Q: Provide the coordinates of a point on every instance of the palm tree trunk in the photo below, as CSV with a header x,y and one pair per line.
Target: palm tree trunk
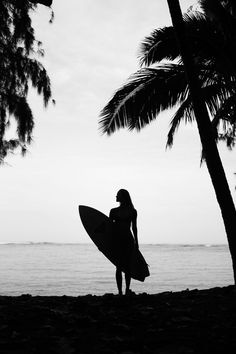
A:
x,y
210,150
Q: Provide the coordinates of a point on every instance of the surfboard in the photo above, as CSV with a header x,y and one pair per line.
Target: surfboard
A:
x,y
101,230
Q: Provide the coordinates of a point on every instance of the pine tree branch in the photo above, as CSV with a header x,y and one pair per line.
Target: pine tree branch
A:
x,y
43,2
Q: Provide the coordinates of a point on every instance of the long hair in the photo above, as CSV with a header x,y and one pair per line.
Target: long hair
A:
x,y
126,198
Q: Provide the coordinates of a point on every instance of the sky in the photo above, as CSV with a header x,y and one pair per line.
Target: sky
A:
x,y
90,50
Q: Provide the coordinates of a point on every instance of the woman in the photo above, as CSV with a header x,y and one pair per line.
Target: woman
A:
x,y
125,219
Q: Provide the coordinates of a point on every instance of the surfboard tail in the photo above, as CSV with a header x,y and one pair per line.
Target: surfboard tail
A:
x,y
138,267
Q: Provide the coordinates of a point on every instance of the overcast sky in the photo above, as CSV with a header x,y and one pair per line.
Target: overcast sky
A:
x,y
90,50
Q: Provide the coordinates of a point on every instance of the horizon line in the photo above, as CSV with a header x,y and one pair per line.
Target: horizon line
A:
x,y
208,244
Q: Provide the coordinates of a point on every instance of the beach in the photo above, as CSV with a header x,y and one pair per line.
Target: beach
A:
x,y
196,321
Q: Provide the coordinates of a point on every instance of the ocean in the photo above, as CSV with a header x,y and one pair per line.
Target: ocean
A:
x,y
79,269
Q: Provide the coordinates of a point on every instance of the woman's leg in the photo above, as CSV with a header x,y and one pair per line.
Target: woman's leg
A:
x,y
119,280
127,282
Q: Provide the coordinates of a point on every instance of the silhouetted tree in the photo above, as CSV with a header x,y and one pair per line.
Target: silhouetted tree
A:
x,y
164,85
19,69
43,2
156,88
211,154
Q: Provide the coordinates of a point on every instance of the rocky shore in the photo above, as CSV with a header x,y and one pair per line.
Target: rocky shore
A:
x,y
197,321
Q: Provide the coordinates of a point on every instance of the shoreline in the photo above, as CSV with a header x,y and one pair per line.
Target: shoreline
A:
x,y
189,321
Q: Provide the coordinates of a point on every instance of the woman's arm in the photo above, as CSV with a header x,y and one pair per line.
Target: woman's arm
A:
x,y
134,228
111,215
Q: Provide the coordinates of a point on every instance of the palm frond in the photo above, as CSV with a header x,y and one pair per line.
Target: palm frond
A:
x,y
161,44
213,95
226,112
219,11
228,135
186,112
205,39
147,93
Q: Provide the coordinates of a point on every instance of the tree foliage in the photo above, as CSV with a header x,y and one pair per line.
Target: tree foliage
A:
x,y
43,2
19,70
161,83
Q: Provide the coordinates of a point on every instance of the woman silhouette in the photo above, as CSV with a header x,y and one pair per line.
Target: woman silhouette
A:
x,y
125,219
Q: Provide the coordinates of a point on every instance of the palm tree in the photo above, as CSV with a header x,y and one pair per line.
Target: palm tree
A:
x,y
155,88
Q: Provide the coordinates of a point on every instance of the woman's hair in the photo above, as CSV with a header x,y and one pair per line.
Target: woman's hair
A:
x,y
126,199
